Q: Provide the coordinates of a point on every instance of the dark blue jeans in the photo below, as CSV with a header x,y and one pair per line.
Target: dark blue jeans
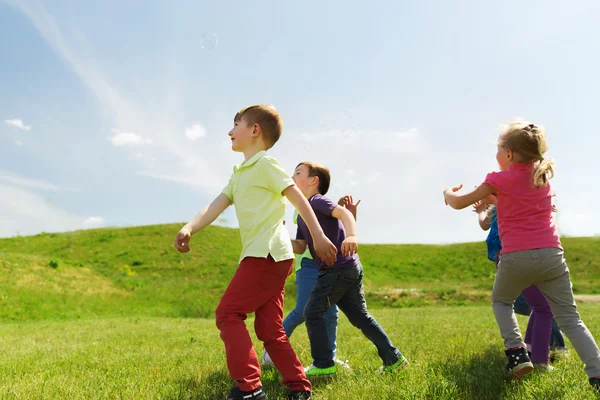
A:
x,y
343,287
522,307
306,277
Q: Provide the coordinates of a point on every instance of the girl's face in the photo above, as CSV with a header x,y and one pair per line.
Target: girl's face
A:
x,y
504,158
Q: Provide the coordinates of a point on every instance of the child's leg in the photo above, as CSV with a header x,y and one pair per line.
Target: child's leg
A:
x,y
540,325
556,285
328,289
521,306
557,341
511,278
269,330
257,281
305,281
331,324
354,306
529,331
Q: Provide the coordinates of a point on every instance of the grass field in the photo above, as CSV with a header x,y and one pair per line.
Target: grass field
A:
x,y
119,314
454,353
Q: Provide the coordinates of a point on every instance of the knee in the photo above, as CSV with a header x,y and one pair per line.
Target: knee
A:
x,y
268,332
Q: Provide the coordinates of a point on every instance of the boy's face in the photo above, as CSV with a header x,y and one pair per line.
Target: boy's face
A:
x,y
302,180
241,135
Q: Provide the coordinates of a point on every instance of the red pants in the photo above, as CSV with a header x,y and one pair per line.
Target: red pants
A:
x,y
257,286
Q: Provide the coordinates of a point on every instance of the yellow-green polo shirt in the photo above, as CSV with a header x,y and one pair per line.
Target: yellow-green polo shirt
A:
x,y
255,190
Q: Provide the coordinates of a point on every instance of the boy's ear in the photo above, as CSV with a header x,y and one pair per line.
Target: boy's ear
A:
x,y
316,180
256,130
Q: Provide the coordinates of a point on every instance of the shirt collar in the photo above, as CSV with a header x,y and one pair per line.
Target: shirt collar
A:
x,y
521,167
251,161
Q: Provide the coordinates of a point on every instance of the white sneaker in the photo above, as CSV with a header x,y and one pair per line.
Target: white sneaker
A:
x,y
543,367
342,363
266,359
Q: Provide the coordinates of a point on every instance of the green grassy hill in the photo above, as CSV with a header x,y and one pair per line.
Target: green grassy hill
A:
x,y
137,272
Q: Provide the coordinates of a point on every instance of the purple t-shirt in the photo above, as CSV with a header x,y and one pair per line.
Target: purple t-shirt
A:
x,y
333,229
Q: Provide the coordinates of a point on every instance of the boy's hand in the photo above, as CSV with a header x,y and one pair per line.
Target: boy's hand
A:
x,y
325,249
349,246
182,241
348,202
480,206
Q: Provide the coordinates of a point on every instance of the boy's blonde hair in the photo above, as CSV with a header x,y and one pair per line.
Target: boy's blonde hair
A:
x,y
267,117
320,171
528,143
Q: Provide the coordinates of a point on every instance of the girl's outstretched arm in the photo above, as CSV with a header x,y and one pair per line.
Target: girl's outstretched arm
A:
x,y
460,201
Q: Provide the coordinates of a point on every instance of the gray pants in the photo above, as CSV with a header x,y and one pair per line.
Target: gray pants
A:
x,y
547,269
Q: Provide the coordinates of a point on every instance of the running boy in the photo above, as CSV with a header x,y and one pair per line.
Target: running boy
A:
x,y
338,284
257,188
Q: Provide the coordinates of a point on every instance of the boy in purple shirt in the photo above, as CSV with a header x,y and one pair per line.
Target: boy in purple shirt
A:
x,y
339,284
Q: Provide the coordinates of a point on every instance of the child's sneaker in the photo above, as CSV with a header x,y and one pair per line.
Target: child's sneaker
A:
x,y
558,353
518,364
398,365
266,359
542,367
342,363
312,371
299,395
595,382
236,394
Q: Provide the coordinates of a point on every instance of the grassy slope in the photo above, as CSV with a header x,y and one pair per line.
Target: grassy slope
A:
x,y
136,272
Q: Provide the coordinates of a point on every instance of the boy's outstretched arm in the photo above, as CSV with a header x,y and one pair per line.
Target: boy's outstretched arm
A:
x,y
349,245
323,246
200,221
483,216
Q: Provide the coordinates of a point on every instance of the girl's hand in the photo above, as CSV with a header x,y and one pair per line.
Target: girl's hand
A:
x,y
451,190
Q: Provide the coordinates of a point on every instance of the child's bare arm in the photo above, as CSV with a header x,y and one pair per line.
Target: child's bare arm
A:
x,y
348,202
349,245
323,246
460,201
200,221
299,246
483,216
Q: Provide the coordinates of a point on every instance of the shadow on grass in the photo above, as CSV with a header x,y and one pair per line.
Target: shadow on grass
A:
x,y
216,384
480,377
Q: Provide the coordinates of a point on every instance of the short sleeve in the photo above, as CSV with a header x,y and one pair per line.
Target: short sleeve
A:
x,y
495,180
275,176
299,234
322,205
228,190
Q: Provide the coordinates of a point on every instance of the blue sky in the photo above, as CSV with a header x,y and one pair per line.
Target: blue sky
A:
x,y
117,115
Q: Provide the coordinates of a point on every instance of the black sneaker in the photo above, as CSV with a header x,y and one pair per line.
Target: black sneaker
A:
x,y
518,364
236,394
595,382
299,395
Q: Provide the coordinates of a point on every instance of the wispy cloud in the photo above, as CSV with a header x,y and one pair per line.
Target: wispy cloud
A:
x,y
23,212
93,222
17,123
29,183
195,131
128,139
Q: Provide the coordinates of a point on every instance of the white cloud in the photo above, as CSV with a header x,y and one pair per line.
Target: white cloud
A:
x,y
24,182
128,139
93,222
18,142
18,123
26,213
195,131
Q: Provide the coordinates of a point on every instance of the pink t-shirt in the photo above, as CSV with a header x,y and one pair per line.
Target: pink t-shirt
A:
x,y
525,220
